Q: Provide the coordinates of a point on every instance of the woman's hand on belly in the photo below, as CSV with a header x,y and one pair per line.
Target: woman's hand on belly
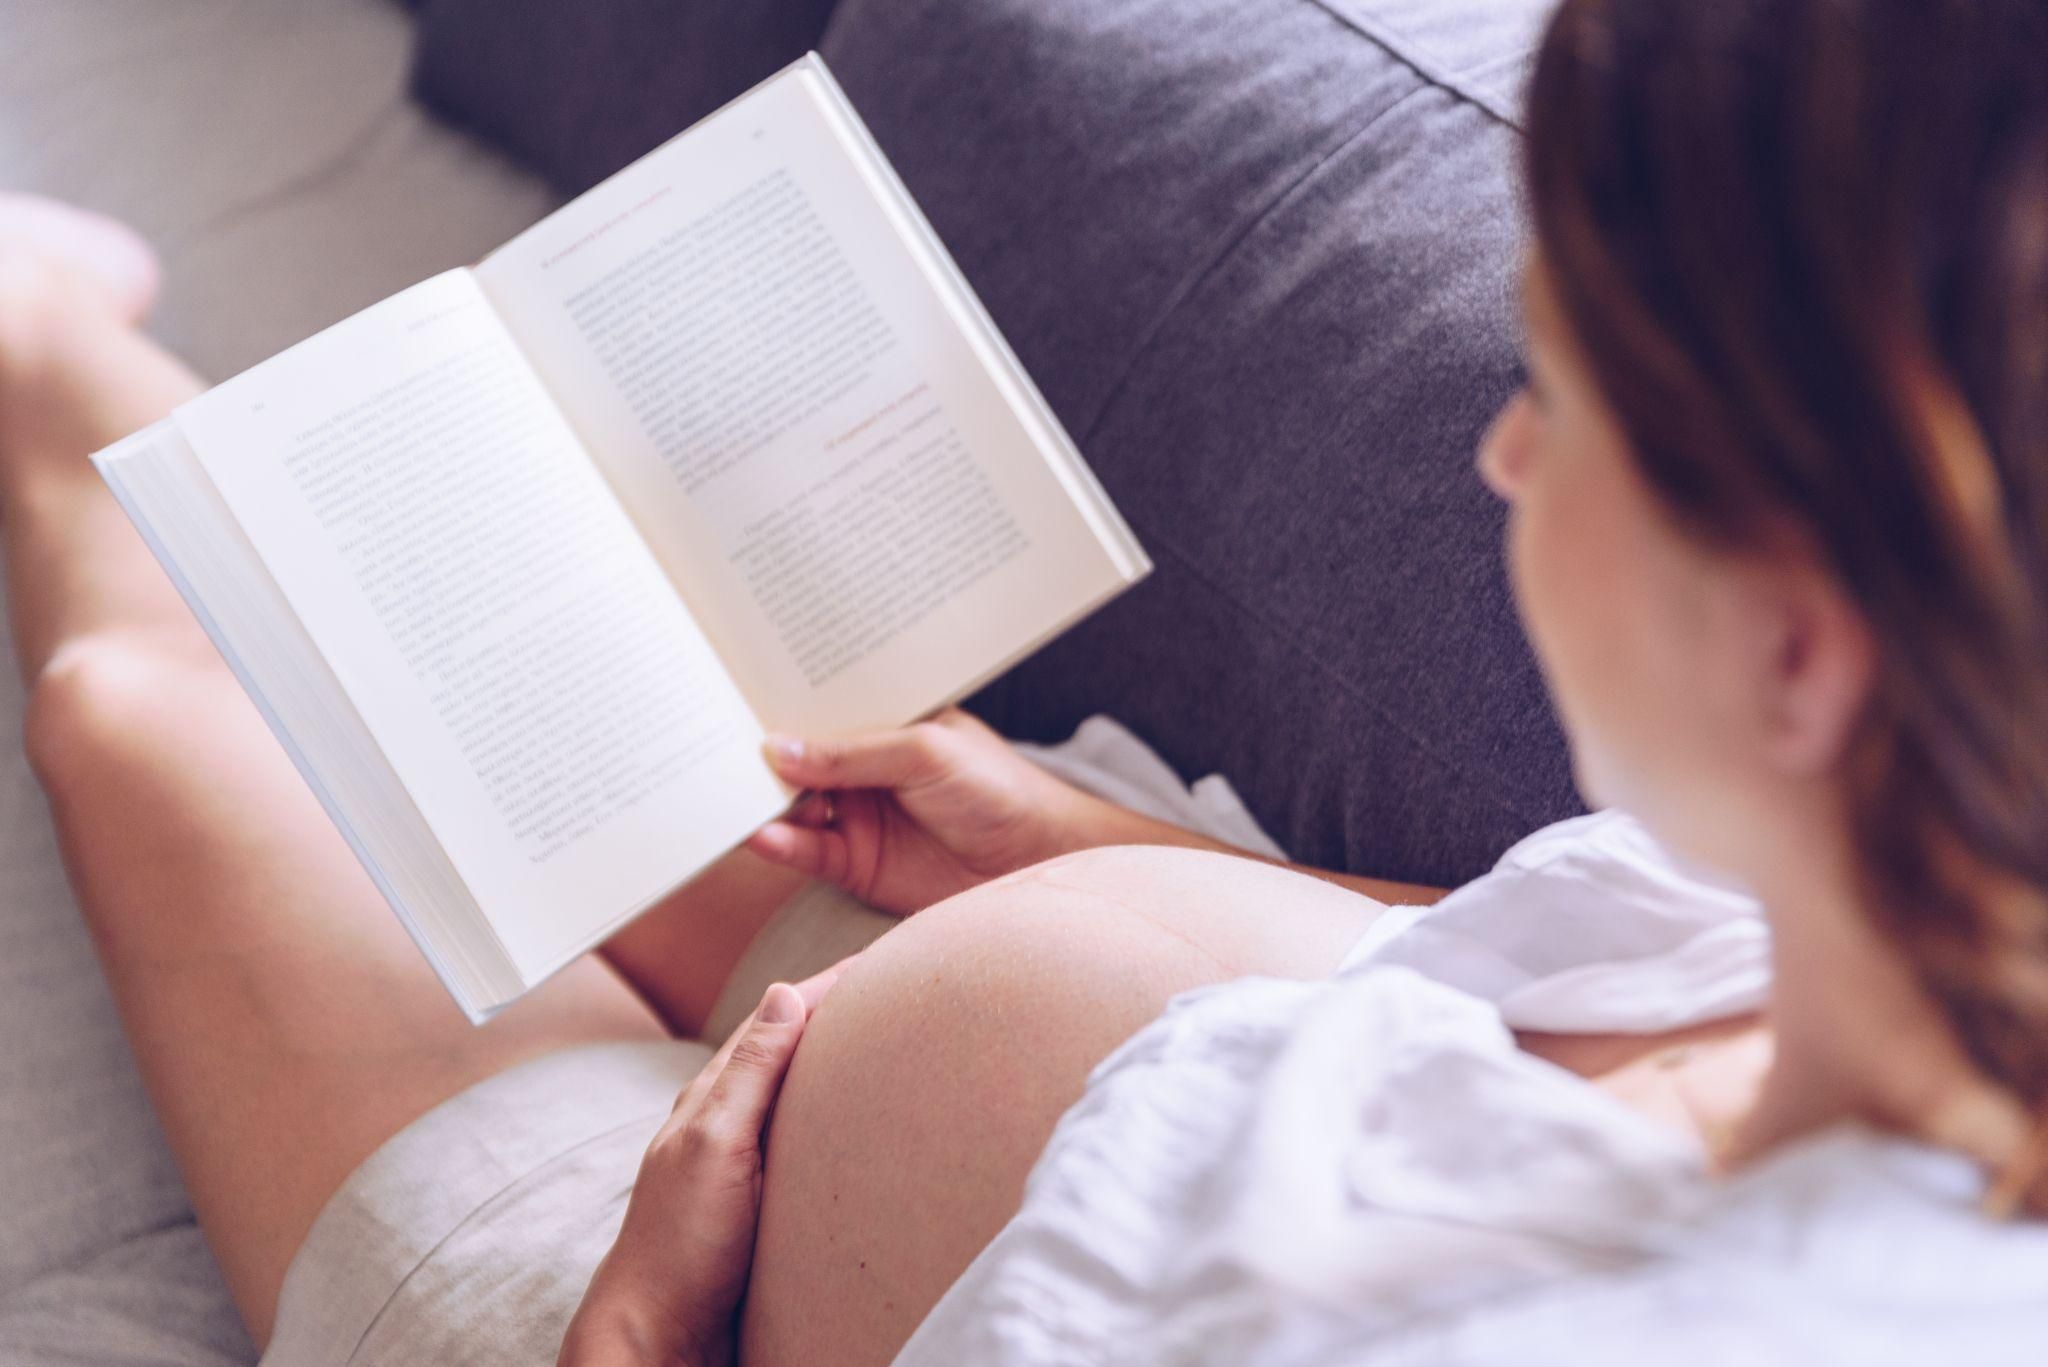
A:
x,y
669,1290
930,1079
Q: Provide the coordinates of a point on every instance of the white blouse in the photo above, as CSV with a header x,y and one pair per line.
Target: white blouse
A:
x,y
1367,1170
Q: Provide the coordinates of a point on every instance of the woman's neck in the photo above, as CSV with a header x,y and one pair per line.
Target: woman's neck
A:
x,y
1857,1038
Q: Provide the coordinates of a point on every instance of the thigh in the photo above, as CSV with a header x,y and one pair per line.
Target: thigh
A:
x,y
283,1023
931,1077
680,954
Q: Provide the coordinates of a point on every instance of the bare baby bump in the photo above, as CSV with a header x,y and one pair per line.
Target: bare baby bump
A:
x,y
929,1080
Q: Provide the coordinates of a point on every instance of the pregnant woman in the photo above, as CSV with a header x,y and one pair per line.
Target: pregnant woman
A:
x,y
1778,494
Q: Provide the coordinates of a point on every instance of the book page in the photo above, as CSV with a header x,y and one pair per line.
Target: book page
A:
x,y
807,428
562,724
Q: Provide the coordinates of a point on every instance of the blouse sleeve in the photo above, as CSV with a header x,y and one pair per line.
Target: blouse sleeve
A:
x,y
1587,926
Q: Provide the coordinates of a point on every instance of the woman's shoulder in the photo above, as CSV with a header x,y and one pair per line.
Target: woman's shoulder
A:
x,y
1607,880
1590,925
1849,1247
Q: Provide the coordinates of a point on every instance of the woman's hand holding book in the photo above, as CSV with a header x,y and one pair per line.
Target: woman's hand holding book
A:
x,y
909,817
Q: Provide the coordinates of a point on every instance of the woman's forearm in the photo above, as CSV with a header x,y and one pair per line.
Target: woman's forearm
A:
x,y
911,817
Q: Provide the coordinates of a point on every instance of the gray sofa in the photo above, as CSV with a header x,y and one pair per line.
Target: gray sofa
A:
x,y
1258,253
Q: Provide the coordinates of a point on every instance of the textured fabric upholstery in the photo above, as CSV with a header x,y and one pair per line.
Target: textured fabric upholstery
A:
x,y
578,88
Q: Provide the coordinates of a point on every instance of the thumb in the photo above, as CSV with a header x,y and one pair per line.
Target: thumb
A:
x,y
823,855
755,1061
880,759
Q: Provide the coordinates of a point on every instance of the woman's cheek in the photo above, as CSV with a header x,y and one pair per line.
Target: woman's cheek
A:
x,y
1571,582
1541,562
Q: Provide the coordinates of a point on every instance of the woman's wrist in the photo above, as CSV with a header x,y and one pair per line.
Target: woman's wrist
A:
x,y
610,1330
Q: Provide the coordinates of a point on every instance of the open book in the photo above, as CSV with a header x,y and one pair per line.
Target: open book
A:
x,y
521,564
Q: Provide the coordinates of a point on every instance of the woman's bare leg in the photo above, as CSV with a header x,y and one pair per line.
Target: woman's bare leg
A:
x,y
929,1080
283,1023
679,954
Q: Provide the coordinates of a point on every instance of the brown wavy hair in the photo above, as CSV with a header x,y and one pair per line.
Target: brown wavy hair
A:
x,y
1804,247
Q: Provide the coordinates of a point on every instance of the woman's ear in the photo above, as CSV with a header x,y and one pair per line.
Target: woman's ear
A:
x,y
1817,670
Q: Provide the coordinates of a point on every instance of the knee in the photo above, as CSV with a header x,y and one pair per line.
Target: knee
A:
x,y
98,703
39,300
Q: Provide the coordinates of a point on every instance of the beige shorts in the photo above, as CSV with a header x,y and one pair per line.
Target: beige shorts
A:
x,y
469,1236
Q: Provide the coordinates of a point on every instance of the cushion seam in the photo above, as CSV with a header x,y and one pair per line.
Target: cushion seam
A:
x,y
84,1262
1398,47
1227,247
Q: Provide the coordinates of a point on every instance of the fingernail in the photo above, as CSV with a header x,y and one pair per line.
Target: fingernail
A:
x,y
782,1005
785,748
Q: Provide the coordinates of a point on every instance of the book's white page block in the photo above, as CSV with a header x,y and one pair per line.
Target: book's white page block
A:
x,y
815,431
564,727
158,479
